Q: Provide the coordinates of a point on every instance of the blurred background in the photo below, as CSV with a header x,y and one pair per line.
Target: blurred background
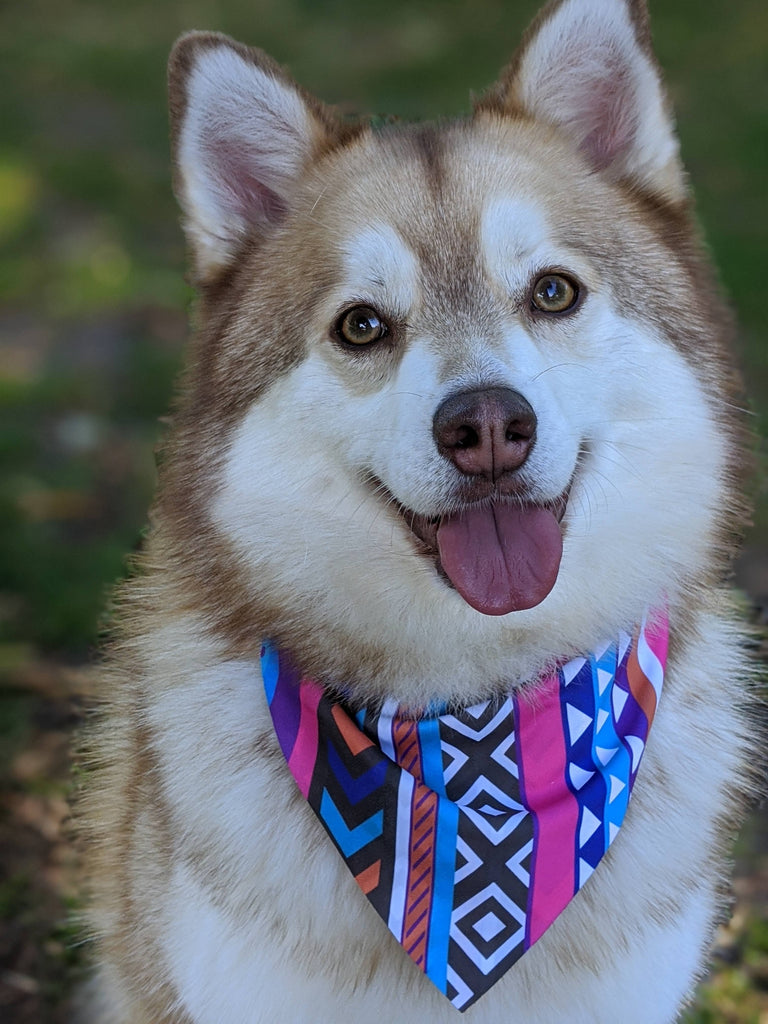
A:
x,y
93,319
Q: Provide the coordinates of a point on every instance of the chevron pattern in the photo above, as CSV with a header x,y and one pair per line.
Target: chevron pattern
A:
x,y
470,832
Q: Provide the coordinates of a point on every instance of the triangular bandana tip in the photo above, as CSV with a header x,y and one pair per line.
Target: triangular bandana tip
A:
x,y
469,833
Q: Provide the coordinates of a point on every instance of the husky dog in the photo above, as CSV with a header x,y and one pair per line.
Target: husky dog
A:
x,y
459,419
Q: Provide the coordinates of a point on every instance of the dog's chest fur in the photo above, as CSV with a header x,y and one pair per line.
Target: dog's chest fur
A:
x,y
423,351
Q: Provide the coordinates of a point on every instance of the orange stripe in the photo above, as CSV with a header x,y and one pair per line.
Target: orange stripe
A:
x,y
421,854
368,880
405,740
641,687
420,873
353,737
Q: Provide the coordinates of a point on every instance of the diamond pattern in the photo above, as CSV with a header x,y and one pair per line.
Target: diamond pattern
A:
x,y
487,954
469,833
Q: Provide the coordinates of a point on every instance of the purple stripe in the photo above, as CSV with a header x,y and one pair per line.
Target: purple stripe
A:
x,y
633,720
425,817
428,836
417,883
427,852
286,706
415,924
425,796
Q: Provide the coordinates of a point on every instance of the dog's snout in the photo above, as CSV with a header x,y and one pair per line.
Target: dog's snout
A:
x,y
487,432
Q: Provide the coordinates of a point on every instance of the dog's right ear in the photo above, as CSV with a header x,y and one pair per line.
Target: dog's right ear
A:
x,y
586,69
243,132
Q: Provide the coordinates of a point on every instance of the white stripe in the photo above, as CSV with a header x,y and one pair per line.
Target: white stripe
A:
x,y
637,747
384,729
649,663
478,734
463,991
624,641
585,871
402,843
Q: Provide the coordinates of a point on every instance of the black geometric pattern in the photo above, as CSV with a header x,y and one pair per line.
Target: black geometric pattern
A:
x,y
470,833
486,926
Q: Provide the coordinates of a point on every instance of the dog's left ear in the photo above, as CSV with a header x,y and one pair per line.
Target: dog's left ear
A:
x,y
586,67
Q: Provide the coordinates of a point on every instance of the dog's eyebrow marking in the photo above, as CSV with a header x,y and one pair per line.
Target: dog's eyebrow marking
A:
x,y
378,261
511,232
430,149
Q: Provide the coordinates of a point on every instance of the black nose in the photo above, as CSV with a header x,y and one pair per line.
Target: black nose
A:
x,y
488,432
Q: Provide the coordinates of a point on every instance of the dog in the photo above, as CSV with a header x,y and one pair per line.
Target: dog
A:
x,y
453,486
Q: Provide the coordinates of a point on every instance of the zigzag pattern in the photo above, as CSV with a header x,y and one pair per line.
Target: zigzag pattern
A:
x,y
466,839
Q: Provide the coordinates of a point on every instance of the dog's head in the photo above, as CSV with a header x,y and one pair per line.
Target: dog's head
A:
x,y
457,402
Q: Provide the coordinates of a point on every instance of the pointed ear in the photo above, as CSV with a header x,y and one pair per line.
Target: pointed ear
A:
x,y
243,133
586,68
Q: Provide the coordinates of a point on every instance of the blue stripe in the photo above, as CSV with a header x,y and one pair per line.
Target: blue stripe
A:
x,y
581,694
431,755
356,789
349,840
442,899
270,668
606,737
445,855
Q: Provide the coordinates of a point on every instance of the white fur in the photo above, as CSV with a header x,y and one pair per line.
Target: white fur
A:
x,y
599,384
513,236
379,270
221,948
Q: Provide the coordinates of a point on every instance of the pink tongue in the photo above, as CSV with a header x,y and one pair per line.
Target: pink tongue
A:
x,y
503,558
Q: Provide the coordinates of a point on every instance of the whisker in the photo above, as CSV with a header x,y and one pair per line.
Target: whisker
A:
x,y
555,366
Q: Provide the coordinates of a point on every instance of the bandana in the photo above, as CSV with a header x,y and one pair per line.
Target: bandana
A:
x,y
471,831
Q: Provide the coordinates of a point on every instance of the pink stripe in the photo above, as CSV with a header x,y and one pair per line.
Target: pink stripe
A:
x,y
304,753
657,635
542,757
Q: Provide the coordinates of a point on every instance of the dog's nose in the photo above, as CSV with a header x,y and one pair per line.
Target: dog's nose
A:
x,y
487,432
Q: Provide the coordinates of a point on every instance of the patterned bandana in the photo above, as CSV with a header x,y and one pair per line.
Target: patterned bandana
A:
x,y
470,832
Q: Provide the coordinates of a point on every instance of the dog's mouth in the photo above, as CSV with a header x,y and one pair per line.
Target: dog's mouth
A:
x,y
500,555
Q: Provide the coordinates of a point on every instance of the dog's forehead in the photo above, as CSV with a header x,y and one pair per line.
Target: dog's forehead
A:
x,y
441,210
509,232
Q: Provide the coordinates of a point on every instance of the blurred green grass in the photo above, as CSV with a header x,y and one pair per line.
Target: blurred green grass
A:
x,y
93,304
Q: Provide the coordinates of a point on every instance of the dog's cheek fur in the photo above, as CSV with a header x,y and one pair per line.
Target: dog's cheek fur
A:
x,y
288,442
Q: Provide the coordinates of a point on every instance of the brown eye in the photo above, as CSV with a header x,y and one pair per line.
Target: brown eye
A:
x,y
554,293
361,326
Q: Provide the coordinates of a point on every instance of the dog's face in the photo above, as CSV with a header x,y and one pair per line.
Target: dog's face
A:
x,y
458,401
